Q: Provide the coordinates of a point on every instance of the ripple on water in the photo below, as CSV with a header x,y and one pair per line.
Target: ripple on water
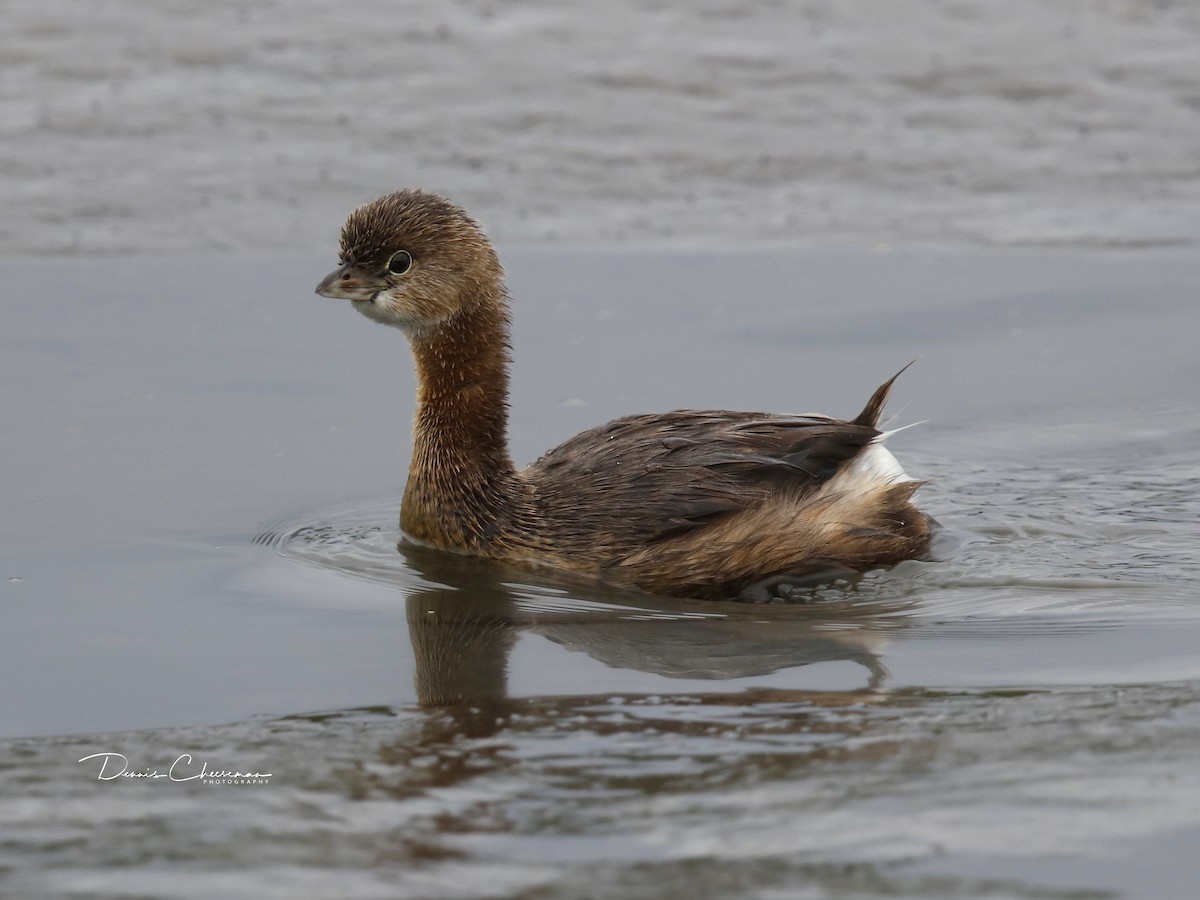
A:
x,y
762,790
1019,551
1039,577
617,797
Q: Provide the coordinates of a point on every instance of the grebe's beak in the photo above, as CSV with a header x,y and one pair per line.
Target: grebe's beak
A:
x,y
350,283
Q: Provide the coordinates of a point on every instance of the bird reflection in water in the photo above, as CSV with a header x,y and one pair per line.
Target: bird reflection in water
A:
x,y
465,619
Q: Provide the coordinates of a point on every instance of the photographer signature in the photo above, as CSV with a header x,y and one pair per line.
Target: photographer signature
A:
x,y
116,765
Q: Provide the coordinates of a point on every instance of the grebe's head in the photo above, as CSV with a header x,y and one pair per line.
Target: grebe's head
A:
x,y
413,260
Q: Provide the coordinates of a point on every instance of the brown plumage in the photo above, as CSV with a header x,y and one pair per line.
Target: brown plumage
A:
x,y
703,503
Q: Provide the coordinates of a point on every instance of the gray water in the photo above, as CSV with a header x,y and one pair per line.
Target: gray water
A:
x,y
203,463
769,208
240,124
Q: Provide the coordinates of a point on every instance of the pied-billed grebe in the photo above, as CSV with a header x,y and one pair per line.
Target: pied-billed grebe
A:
x,y
701,503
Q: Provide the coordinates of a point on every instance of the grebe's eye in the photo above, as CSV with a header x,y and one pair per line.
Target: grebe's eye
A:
x,y
400,262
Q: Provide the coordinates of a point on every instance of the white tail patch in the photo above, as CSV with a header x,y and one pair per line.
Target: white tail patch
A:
x,y
873,468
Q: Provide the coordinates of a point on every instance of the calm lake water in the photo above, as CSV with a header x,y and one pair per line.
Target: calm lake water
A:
x,y
201,461
202,466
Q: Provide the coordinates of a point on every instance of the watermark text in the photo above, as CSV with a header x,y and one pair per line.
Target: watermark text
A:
x,y
116,765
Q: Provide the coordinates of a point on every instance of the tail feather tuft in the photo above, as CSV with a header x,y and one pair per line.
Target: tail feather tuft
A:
x,y
869,417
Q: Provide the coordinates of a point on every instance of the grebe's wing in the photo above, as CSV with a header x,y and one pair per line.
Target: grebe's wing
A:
x,y
711,502
646,478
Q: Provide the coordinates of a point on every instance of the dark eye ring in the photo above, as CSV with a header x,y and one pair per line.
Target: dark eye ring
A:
x,y
401,261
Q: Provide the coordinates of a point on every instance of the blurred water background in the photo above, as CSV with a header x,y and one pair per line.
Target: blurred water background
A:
x,y
250,124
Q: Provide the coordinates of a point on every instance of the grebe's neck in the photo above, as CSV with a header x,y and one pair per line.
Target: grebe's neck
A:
x,y
461,483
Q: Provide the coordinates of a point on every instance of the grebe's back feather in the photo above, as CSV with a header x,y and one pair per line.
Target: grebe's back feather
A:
x,y
715,491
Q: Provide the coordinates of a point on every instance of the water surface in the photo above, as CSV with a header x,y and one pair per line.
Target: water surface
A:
x,y
202,468
140,127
